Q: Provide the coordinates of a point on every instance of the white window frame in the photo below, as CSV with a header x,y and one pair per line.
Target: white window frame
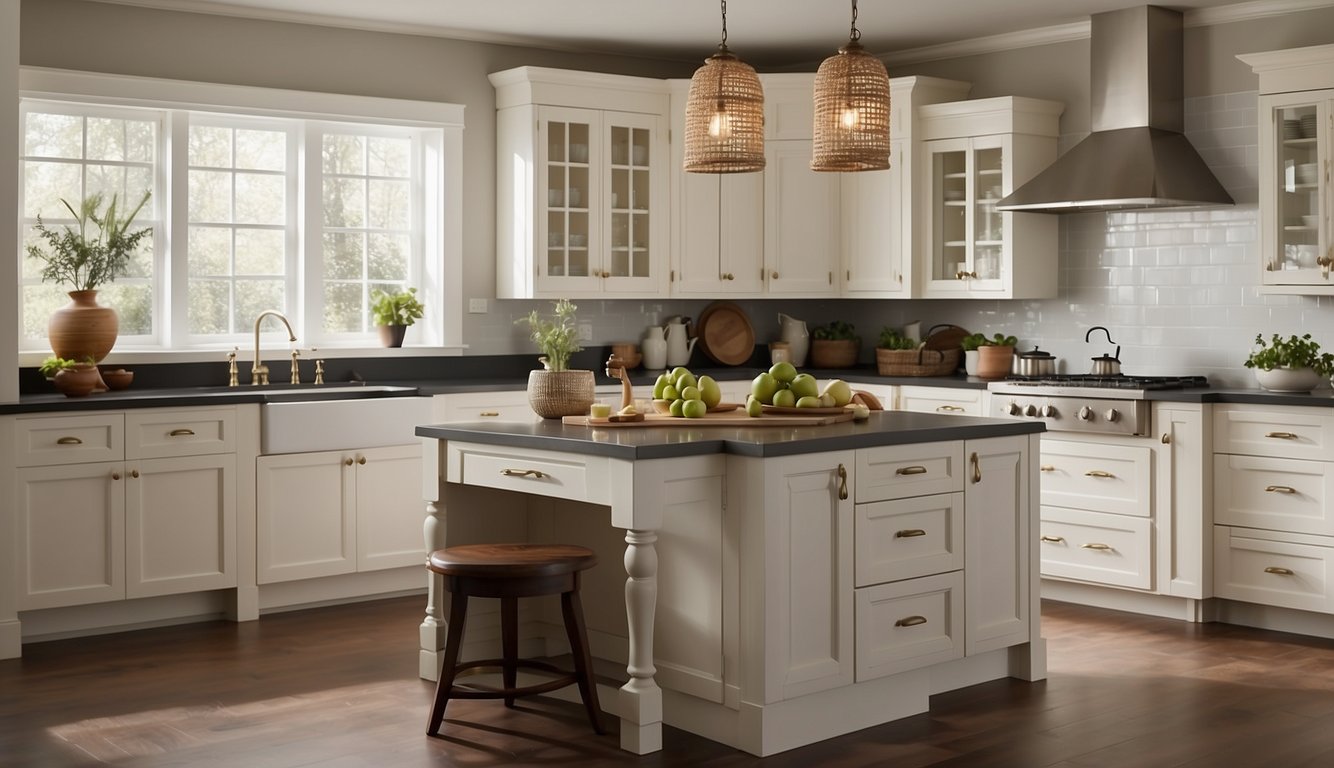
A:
x,y
441,282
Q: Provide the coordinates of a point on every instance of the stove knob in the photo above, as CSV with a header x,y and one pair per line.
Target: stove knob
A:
x,y
1112,414
1031,410
1049,411
1012,409
1085,414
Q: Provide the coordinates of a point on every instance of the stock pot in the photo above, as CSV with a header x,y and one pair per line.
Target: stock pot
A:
x,y
1035,362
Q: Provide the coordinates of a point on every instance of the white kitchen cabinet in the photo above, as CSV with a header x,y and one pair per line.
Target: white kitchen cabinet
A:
x,y
333,512
955,401
974,153
1296,124
801,222
501,405
880,208
158,519
997,603
582,190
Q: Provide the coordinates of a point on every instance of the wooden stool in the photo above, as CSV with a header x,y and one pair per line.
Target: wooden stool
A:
x,y
511,571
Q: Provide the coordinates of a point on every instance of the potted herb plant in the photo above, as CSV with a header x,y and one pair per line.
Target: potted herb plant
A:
x,y
557,391
393,313
74,378
93,252
835,345
995,355
1294,364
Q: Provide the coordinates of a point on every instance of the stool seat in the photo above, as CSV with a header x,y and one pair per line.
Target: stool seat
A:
x,y
508,572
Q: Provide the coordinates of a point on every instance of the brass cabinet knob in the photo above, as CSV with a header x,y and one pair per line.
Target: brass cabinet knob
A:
x,y
347,462
774,275
134,473
361,460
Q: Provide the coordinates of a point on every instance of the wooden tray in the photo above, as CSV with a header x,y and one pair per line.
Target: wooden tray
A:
x,y
785,411
725,333
716,420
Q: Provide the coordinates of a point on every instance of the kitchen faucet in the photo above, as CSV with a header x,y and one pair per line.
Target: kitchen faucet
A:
x,y
259,373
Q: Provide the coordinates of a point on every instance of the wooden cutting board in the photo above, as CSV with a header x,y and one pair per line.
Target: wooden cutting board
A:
x,y
725,333
729,419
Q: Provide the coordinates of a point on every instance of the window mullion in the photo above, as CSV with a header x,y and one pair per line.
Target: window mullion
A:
x,y
310,296
174,179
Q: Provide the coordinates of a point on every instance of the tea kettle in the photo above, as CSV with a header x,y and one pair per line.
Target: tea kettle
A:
x,y
1103,365
679,346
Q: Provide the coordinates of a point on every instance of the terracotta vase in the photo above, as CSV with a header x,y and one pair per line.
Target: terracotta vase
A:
x,y
79,381
83,329
994,361
392,335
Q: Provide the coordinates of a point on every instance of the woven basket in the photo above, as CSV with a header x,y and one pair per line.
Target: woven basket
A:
x,y
917,362
833,353
554,394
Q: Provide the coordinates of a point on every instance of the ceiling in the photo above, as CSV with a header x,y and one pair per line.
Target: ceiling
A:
x,y
763,32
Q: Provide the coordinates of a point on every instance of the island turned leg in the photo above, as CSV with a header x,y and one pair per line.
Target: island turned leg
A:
x,y
434,627
641,698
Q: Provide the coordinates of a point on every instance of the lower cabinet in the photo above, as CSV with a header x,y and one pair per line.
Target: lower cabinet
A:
x,y
957,401
335,512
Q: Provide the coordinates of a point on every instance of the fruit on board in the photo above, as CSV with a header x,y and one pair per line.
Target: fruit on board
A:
x,y
784,398
694,409
684,379
804,385
763,387
753,406
809,402
840,390
660,386
677,407
670,392
783,371
709,391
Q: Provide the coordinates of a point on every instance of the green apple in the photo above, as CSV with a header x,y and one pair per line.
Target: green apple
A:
x,y
686,379
670,392
690,393
676,372
840,390
805,385
763,387
826,400
784,398
783,371
660,385
753,406
694,409
677,407
809,401
709,391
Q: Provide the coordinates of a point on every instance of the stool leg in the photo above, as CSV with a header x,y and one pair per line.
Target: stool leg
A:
x,y
509,644
583,660
458,609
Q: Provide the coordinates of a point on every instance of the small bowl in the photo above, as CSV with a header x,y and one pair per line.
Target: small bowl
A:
x,y
117,379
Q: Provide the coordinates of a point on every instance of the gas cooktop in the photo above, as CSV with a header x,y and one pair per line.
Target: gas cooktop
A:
x,y
1089,381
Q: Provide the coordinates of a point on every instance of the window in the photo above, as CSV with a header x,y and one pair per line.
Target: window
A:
x,y
308,211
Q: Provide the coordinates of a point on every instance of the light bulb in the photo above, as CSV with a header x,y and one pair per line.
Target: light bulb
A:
x,y
849,118
720,125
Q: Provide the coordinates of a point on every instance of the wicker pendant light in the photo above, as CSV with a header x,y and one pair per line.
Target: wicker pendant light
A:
x,y
724,115
851,109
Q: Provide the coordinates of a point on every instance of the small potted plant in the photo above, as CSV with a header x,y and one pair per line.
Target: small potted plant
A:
x,y
557,391
995,355
83,257
74,378
835,345
1294,364
392,313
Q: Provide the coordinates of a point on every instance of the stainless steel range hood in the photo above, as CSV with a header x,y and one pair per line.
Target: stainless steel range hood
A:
x,y
1136,156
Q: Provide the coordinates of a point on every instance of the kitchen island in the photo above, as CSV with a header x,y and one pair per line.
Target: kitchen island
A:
x,y
785,584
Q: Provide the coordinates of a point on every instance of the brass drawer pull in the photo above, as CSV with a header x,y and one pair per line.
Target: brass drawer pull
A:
x,y
69,441
948,408
181,433
489,413
1098,473
523,473
977,468
1047,468
1280,571
842,483
910,621
1097,546
1053,539
909,533
1280,489
916,469
1281,435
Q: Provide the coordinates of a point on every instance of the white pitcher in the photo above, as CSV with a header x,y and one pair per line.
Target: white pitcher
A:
x,y
793,331
678,346
654,347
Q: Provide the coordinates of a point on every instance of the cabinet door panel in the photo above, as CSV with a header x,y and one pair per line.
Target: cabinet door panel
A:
x,y
306,525
801,237
71,535
390,512
996,538
875,238
909,624
180,525
1097,547
907,538
59,440
156,432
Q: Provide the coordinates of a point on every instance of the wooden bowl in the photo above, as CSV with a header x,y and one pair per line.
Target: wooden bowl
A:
x,y
117,379
662,406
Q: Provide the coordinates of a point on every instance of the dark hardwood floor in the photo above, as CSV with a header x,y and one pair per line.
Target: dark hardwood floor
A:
x,y
338,687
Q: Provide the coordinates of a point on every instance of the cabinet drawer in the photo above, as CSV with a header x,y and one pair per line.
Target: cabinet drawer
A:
x,y
153,433
1280,494
909,624
544,473
1260,567
1294,433
52,440
960,402
907,538
484,406
1097,477
900,471
1097,547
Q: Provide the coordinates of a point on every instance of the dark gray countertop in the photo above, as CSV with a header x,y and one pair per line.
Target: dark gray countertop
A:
x,y
883,428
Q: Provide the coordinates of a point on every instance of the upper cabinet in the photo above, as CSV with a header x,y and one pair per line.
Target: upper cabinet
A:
x,y
582,184
1296,210
972,154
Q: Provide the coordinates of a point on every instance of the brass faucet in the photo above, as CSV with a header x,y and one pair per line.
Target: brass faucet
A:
x,y
259,373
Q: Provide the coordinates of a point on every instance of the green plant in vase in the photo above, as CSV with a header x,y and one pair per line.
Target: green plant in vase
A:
x,y
1294,364
556,390
394,313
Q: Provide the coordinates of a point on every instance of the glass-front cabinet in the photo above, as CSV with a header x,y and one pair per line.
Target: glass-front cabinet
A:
x,y
1295,190
582,197
971,249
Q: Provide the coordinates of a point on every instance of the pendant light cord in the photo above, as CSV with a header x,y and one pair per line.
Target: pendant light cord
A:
x,y
853,35
722,44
